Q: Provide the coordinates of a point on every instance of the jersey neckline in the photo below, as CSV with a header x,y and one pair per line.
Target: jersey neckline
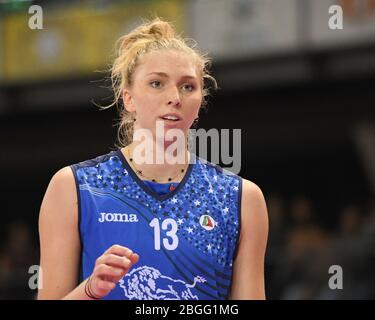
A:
x,y
147,189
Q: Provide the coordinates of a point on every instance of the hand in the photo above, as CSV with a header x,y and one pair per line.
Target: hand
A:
x,y
110,268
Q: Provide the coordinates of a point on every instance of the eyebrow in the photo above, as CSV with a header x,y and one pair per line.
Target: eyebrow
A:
x,y
163,74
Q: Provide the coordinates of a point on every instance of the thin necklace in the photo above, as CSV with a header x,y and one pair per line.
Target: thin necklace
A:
x,y
149,178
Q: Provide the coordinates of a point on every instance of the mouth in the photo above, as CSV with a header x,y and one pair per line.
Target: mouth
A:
x,y
171,117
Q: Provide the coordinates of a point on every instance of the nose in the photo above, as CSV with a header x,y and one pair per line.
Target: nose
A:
x,y
174,98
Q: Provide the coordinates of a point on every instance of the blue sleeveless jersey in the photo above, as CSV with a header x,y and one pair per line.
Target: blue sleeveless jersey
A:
x,y
186,239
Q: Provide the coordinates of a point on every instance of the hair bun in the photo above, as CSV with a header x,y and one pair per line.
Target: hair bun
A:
x,y
150,31
159,29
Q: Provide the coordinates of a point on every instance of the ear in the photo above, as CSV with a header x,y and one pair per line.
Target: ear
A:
x,y
128,100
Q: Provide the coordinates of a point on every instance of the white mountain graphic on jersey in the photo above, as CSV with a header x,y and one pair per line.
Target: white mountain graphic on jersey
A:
x,y
147,283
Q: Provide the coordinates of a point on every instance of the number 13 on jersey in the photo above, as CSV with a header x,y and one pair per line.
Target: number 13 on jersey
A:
x,y
170,242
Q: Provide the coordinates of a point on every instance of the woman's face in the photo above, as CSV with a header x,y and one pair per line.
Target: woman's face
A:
x,y
165,83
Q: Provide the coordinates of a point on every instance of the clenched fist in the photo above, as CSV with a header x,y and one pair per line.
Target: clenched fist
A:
x,y
109,268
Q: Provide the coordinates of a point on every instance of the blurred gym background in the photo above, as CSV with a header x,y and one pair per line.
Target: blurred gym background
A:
x,y
303,95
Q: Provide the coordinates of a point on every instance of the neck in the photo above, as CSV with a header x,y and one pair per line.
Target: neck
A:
x,y
158,163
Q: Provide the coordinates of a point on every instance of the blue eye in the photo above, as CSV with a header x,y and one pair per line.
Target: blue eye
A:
x,y
155,84
190,87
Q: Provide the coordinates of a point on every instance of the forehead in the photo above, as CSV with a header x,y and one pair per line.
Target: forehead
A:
x,y
171,62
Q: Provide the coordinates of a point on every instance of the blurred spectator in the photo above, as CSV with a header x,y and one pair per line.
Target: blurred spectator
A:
x,y
350,221
304,235
352,250
276,245
305,240
17,254
369,223
276,214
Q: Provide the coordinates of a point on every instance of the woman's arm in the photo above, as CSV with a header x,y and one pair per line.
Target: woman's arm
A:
x,y
59,237
248,268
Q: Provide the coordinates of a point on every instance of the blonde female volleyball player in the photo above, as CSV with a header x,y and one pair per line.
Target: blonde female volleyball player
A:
x,y
115,227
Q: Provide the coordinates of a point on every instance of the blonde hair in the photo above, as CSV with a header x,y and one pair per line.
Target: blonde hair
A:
x,y
149,36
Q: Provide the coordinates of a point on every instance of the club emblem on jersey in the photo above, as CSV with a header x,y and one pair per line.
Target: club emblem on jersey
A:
x,y
207,222
147,283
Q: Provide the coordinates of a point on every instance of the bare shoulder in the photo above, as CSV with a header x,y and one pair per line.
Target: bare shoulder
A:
x,y
64,179
253,206
252,194
62,185
60,199
250,189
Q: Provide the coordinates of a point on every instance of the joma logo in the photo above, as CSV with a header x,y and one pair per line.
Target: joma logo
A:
x,y
117,217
